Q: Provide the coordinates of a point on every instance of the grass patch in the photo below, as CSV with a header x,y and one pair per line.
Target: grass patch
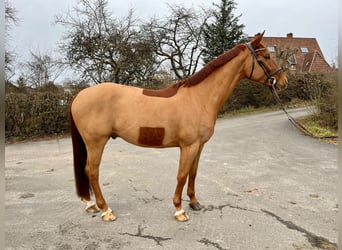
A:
x,y
312,124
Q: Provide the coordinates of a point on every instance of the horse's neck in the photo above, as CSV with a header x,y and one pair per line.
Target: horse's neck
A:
x,y
218,86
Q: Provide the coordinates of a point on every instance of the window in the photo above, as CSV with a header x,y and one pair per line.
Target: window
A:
x,y
271,49
304,49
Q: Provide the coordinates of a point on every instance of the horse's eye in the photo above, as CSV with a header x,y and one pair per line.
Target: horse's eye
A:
x,y
267,56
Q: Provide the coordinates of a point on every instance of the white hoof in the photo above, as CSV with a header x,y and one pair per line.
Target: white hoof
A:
x,y
108,215
91,207
181,216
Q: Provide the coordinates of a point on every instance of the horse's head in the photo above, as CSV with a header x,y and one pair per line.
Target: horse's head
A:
x,y
261,67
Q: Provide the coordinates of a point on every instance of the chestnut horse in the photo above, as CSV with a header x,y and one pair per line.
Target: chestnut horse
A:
x,y
182,115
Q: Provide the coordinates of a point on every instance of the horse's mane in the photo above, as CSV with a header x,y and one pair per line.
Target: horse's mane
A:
x,y
212,66
199,76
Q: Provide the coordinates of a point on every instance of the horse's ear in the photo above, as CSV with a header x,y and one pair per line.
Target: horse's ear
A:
x,y
257,39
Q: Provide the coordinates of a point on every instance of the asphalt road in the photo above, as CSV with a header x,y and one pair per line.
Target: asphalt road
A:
x,y
262,183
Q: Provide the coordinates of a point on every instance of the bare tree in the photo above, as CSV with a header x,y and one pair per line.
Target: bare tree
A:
x,y
105,49
178,39
41,69
285,57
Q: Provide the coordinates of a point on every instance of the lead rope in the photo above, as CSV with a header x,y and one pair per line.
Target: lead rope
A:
x,y
297,124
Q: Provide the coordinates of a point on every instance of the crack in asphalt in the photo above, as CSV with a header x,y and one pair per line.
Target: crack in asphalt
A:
x,y
145,200
149,200
314,240
220,208
207,242
157,239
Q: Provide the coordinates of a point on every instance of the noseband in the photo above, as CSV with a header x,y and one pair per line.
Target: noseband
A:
x,y
271,81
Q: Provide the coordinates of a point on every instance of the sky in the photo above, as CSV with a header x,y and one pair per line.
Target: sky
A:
x,y
315,18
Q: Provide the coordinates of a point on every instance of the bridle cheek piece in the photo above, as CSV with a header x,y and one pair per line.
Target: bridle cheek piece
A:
x,y
270,81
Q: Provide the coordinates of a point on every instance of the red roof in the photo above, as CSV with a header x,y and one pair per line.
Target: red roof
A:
x,y
308,56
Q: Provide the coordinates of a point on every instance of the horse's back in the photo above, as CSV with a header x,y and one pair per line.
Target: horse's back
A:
x,y
104,91
103,95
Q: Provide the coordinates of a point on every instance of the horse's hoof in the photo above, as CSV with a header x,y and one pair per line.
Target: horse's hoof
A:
x,y
108,215
93,209
196,206
181,216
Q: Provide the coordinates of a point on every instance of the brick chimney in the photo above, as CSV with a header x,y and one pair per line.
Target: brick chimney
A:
x,y
289,35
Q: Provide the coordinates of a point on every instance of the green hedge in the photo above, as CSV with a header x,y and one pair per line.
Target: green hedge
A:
x,y
36,115
251,94
326,101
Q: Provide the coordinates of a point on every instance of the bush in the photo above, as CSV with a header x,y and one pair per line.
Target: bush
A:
x,y
36,115
320,94
328,105
249,94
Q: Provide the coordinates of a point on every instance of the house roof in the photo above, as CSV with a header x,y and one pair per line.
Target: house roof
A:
x,y
307,56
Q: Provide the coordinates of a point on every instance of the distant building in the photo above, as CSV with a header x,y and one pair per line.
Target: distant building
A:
x,y
308,56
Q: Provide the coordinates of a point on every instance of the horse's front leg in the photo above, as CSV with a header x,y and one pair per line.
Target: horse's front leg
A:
x,y
194,204
187,157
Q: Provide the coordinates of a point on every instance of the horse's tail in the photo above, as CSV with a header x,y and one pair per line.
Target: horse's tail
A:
x,y
80,159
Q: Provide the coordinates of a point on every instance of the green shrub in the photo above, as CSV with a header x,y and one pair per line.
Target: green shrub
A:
x,y
328,105
320,94
35,115
249,94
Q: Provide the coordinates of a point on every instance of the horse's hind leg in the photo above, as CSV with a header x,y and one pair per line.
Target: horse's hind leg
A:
x,y
95,151
91,206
